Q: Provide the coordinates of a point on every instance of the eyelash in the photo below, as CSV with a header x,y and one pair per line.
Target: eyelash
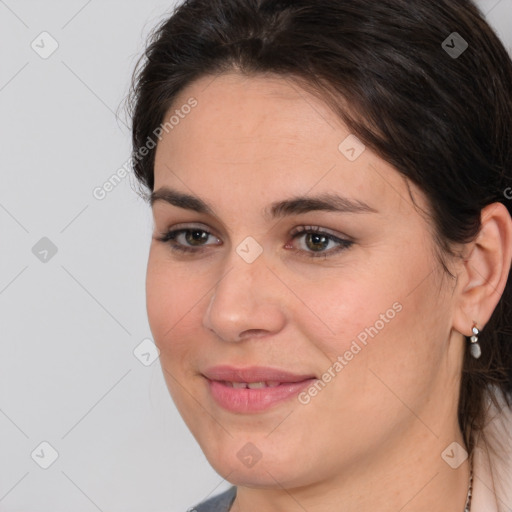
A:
x,y
170,239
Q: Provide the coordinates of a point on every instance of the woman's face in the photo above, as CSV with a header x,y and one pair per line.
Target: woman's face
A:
x,y
361,305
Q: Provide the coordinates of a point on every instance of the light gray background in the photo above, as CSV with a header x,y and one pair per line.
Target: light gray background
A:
x,y
69,326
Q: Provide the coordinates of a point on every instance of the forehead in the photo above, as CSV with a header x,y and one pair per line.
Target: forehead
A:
x,y
265,136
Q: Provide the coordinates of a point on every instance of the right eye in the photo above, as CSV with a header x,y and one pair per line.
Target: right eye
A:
x,y
189,240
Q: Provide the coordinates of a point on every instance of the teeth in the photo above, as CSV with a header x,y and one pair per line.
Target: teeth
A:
x,y
256,385
252,385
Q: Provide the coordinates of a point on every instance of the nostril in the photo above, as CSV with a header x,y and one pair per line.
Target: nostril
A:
x,y
253,333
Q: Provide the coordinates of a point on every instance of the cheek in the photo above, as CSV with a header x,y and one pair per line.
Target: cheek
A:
x,y
170,300
380,319
171,296
347,307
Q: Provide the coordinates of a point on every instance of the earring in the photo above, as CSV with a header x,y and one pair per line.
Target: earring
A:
x,y
474,347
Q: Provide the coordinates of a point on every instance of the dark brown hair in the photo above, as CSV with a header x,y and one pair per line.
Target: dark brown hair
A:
x,y
442,120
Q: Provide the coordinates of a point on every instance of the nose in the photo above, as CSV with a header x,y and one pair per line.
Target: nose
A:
x,y
246,302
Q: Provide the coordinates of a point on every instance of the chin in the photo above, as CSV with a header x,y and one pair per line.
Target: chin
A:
x,y
267,472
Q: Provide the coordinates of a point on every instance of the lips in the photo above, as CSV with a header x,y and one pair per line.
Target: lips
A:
x,y
254,374
254,389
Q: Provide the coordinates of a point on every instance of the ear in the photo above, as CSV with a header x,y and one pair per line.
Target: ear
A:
x,y
485,270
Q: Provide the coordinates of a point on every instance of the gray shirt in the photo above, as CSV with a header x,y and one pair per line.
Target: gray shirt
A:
x,y
220,503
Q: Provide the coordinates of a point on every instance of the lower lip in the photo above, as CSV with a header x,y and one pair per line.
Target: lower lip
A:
x,y
245,400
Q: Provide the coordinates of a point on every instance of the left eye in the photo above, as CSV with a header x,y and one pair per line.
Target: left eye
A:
x,y
316,242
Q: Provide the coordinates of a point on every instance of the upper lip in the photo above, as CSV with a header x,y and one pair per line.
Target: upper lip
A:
x,y
253,374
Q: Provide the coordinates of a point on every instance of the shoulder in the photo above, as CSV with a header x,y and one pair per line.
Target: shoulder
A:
x,y
220,503
492,485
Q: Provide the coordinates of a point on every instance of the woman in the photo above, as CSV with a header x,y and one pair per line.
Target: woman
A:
x,y
328,280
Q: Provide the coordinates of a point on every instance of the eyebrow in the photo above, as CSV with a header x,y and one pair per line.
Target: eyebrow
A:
x,y
296,205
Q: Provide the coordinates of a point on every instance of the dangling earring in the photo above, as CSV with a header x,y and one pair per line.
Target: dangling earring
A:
x,y
474,347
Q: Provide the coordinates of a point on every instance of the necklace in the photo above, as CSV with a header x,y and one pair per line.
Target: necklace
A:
x,y
467,508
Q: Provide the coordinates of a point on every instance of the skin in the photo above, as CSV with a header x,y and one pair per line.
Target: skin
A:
x,y
372,439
